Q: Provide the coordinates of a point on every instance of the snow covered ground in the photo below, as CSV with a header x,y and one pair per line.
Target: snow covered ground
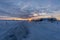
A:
x,y
44,30
24,30
12,30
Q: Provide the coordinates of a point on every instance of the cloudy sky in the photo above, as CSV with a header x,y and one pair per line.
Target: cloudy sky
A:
x,y
24,8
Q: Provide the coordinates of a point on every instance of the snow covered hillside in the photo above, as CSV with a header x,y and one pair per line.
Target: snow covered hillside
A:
x,y
24,30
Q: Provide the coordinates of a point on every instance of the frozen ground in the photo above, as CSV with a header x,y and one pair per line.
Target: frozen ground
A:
x,y
24,30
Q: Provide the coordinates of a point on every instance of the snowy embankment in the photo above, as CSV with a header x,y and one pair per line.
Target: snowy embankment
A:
x,y
24,30
44,30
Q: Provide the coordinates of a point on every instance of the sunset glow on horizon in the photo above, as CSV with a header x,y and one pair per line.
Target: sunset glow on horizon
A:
x,y
34,17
